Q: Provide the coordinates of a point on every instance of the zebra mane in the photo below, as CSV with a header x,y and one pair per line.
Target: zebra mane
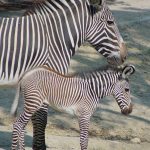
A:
x,y
37,5
101,70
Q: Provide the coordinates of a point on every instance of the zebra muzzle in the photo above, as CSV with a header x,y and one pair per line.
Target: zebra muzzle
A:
x,y
123,52
127,110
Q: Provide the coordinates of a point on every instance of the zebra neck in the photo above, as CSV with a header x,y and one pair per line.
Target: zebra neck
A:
x,y
67,21
103,83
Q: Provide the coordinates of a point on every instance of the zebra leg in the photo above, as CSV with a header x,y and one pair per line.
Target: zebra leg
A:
x,y
84,126
39,121
18,130
21,139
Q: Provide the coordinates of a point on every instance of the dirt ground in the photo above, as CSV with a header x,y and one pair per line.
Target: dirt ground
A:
x,y
109,129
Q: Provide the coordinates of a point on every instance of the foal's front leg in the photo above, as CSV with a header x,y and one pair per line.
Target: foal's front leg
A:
x,y
84,122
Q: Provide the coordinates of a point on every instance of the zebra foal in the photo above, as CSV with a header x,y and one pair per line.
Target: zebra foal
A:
x,y
78,94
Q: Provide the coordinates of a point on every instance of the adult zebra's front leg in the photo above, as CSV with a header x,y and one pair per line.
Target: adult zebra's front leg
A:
x,y
39,121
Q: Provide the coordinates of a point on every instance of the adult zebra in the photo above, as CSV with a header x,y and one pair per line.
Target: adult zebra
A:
x,y
49,36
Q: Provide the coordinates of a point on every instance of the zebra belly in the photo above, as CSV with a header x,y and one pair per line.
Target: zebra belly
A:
x,y
69,110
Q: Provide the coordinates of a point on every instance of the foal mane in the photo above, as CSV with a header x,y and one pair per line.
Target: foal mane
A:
x,y
102,69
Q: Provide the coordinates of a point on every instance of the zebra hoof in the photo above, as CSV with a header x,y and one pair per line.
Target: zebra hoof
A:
x,y
39,147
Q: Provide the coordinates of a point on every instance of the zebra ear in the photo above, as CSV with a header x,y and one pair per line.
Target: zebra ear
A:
x,y
101,2
127,71
96,7
100,5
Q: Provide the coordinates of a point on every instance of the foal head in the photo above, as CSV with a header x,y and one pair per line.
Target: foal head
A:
x,y
121,90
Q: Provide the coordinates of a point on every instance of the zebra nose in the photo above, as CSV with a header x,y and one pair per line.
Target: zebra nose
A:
x,y
123,52
127,110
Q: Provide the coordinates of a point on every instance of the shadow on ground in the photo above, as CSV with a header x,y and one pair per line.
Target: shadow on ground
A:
x,y
5,140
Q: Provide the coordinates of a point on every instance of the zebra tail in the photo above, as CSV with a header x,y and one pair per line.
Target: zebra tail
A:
x,y
14,106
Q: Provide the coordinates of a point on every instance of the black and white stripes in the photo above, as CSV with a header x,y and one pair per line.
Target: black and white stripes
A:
x,y
78,95
23,45
51,34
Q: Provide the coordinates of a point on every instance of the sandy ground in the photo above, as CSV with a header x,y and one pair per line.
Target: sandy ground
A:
x,y
109,129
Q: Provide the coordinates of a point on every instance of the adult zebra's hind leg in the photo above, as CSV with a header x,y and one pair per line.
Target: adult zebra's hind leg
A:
x,y
39,121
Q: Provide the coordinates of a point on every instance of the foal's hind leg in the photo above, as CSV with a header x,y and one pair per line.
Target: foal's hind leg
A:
x,y
30,108
18,130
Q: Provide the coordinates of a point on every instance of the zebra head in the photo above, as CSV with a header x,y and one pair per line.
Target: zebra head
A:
x,y
121,90
104,35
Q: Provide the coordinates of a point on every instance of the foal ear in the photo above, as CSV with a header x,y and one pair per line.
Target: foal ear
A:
x,y
96,7
127,71
101,2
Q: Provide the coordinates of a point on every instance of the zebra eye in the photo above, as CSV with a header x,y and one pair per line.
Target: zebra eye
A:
x,y
110,22
126,90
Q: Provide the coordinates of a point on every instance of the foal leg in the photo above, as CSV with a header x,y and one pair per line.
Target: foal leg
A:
x,y
32,103
21,139
84,122
39,121
18,130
